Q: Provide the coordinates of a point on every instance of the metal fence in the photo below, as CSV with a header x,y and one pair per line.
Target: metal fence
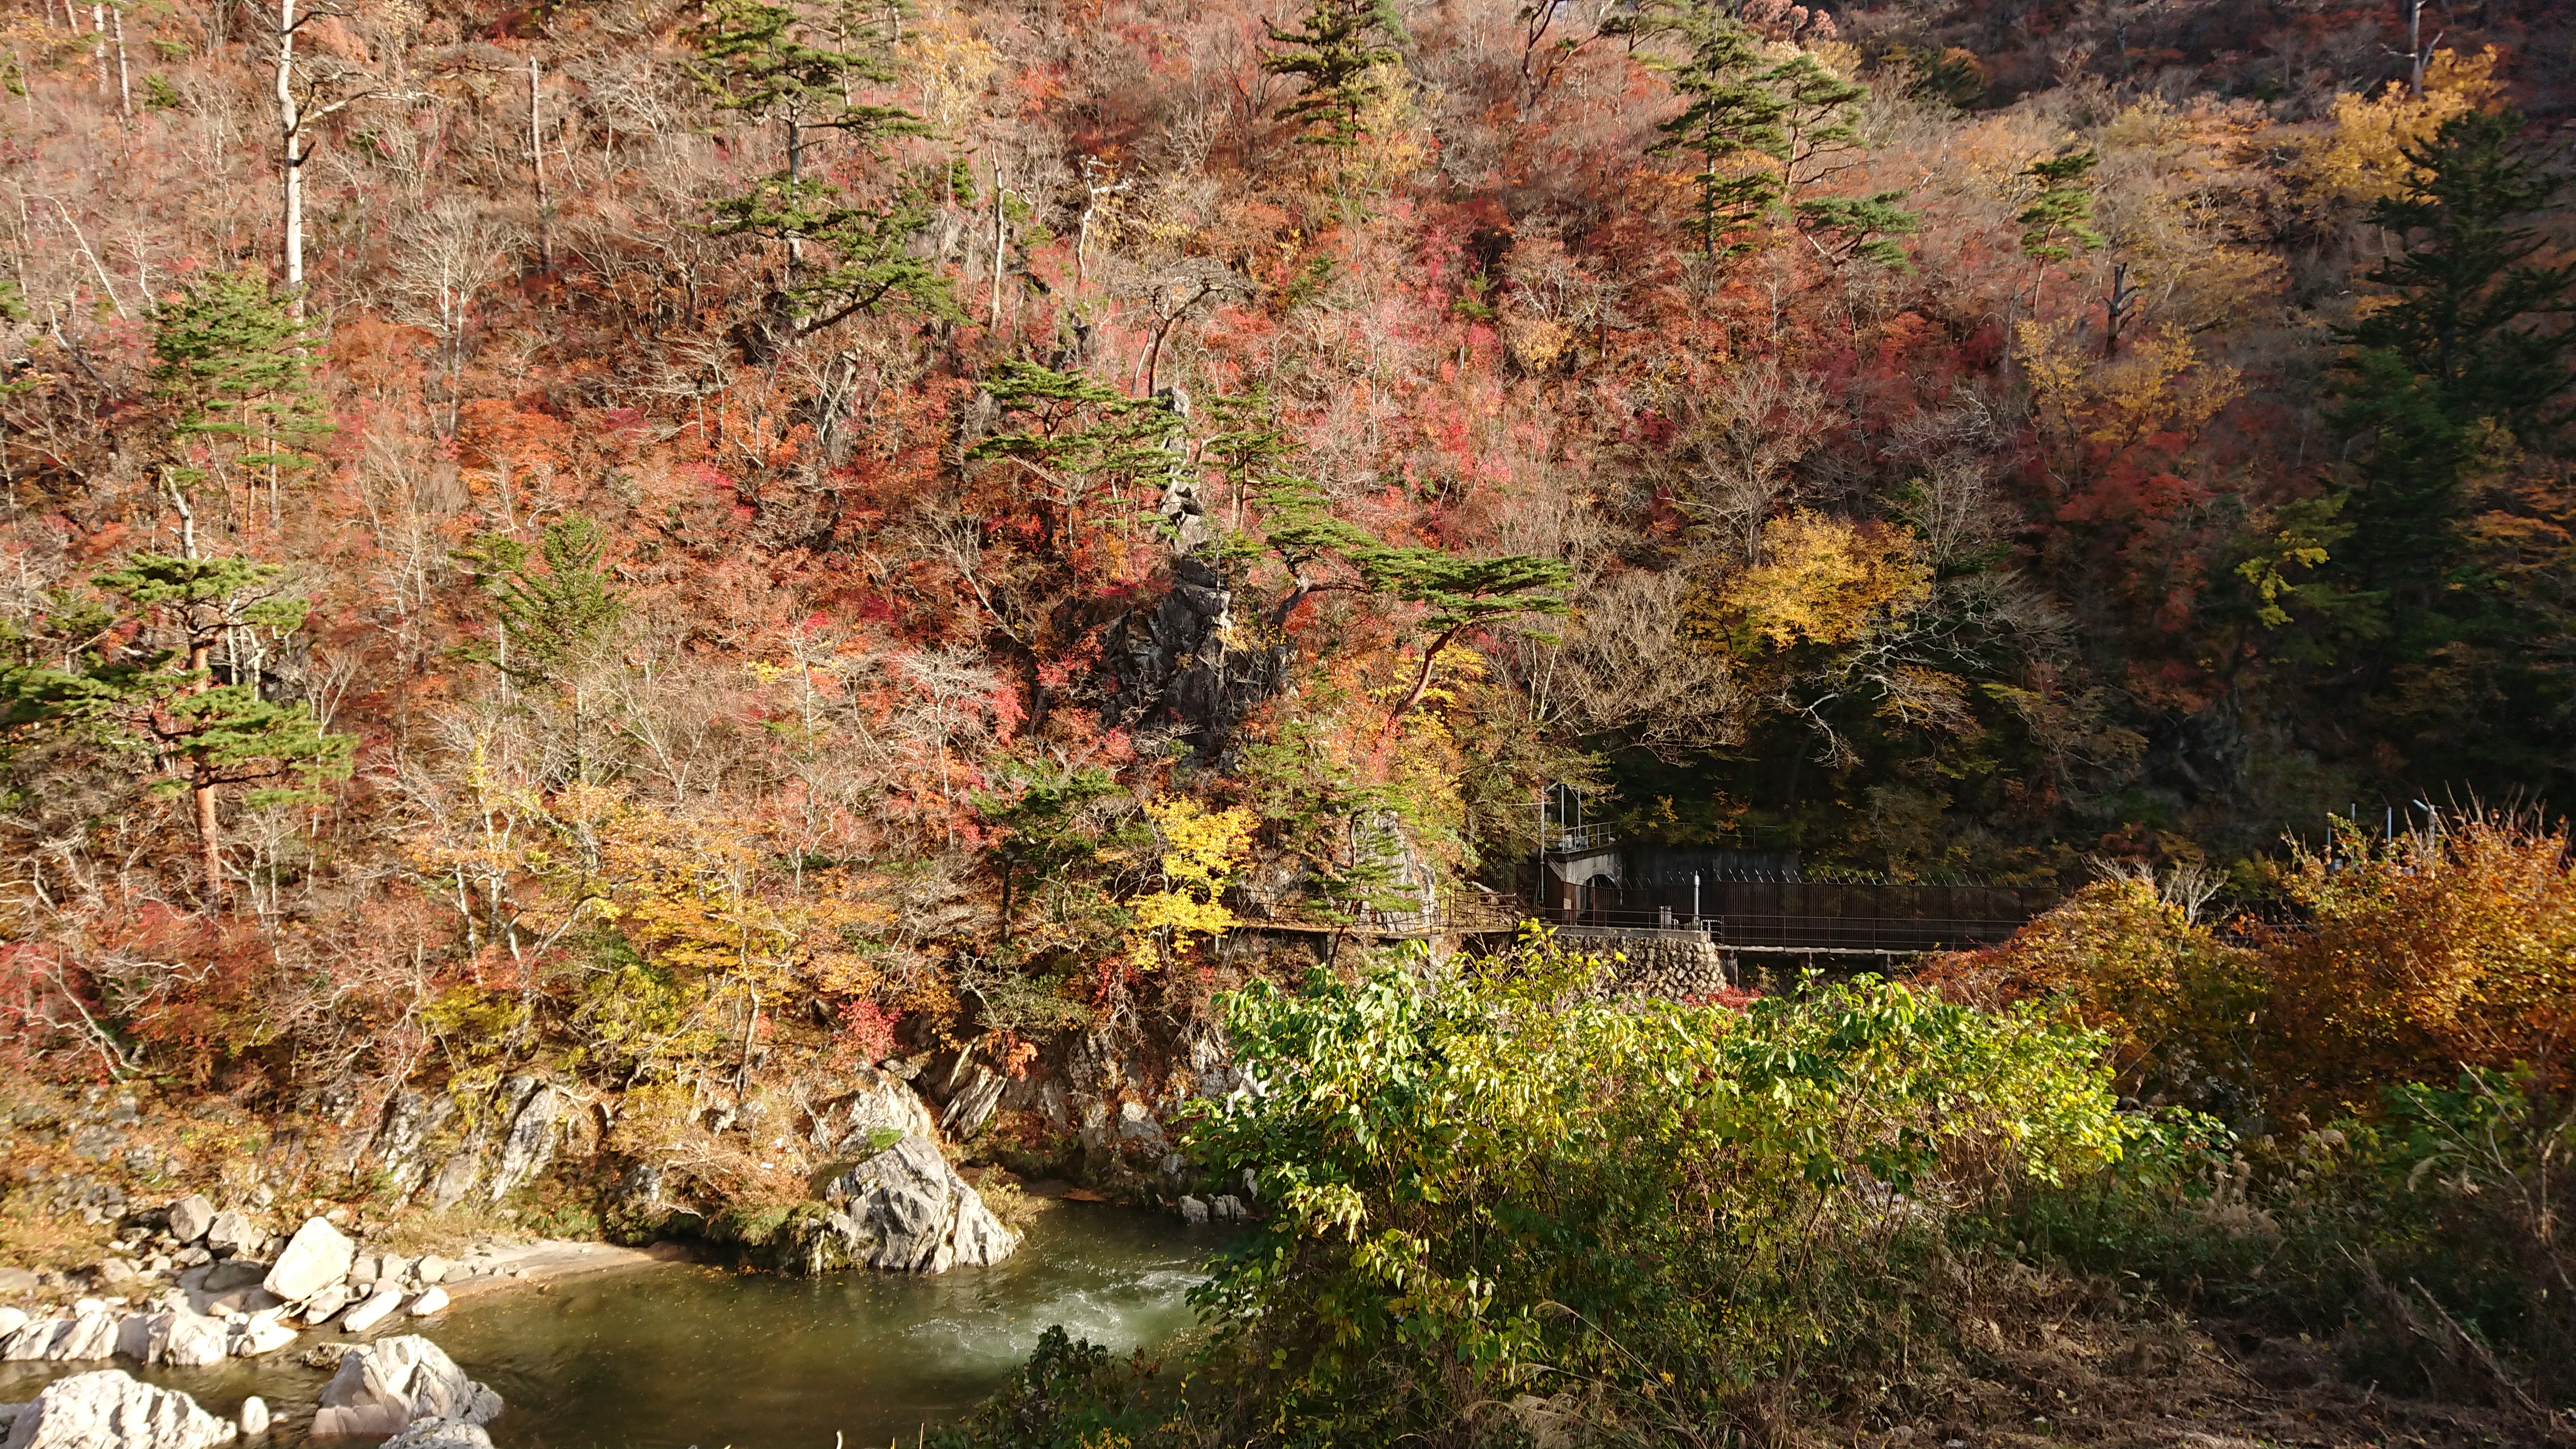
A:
x,y
1821,916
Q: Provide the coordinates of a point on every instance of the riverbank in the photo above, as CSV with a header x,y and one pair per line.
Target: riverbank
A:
x,y
633,1349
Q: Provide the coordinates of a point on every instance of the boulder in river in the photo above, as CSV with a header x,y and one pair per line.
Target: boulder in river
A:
x,y
194,1340
440,1434
374,1311
92,1335
393,1383
262,1335
317,1256
318,1309
109,1410
906,1210
33,1339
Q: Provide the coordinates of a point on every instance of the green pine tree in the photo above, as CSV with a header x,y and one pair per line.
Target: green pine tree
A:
x,y
1339,52
2059,221
1732,116
2466,372
231,360
1860,228
2468,358
549,617
800,65
164,706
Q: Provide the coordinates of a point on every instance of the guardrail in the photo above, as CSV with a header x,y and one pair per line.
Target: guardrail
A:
x,y
1813,932
1563,839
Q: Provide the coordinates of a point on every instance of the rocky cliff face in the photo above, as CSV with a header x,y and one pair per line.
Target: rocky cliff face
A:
x,y
1195,663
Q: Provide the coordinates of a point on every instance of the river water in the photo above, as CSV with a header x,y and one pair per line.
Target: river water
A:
x,y
692,1355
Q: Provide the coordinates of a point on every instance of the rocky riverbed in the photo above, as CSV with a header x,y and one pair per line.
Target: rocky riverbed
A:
x,y
669,1351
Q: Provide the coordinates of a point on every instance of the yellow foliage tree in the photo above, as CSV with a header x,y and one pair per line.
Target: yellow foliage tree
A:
x,y
1824,581
2363,158
1202,851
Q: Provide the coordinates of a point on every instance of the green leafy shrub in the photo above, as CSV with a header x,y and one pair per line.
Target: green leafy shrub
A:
x,y
1478,1184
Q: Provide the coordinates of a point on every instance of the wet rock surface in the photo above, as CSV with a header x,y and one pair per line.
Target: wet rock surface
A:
x,y
110,1410
393,1383
906,1210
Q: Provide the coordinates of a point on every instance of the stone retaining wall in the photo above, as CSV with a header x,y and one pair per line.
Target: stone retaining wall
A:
x,y
1677,966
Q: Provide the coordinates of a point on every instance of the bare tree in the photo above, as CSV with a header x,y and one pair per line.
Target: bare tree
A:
x,y
306,96
455,251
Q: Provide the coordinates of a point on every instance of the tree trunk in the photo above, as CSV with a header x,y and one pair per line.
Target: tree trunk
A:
x,y
537,169
210,844
795,164
210,837
290,126
2415,48
124,76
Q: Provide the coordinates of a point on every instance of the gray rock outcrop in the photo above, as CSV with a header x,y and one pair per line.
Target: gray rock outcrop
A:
x,y
109,1410
973,1104
410,1119
393,1383
880,1102
535,1122
906,1210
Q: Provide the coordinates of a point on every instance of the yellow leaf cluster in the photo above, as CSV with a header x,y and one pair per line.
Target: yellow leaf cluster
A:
x,y
1202,850
2157,386
2363,159
1824,581
941,54
1399,140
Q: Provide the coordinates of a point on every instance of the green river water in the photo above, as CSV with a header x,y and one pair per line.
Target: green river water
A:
x,y
691,1355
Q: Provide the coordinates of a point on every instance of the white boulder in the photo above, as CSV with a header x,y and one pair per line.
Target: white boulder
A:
x,y
429,1303
11,1320
190,1216
254,1416
232,1233
92,1335
318,1309
194,1340
375,1310
32,1339
109,1410
389,1384
317,1256
263,1334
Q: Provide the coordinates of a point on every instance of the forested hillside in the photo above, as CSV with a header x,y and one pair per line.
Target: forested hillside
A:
x,y
608,535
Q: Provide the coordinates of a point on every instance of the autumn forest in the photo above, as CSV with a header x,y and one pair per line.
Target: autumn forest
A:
x,y
673,546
